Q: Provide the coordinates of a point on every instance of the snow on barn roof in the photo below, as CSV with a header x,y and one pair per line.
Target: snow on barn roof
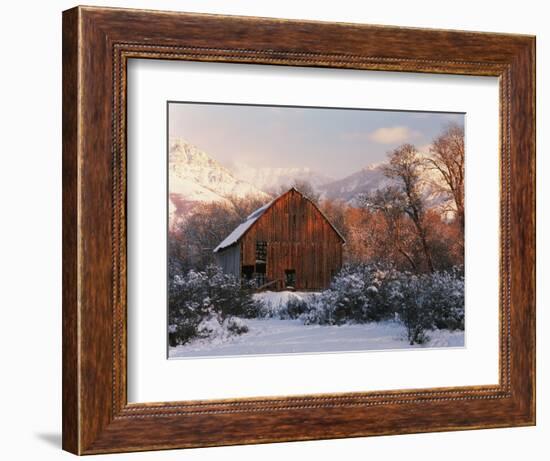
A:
x,y
241,229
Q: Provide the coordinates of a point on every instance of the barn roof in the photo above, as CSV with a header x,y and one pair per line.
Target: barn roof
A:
x,y
242,228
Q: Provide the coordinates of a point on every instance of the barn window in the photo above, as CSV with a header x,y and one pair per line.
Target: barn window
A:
x,y
261,252
260,269
290,278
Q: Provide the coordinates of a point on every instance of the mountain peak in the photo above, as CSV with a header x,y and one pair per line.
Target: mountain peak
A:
x,y
183,152
195,177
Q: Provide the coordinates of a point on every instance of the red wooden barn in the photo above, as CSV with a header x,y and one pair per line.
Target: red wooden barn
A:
x,y
286,244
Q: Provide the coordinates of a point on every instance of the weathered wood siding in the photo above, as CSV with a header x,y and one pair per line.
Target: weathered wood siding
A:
x,y
298,237
230,260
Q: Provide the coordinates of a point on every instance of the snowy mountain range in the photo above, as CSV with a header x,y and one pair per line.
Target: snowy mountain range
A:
x,y
195,178
363,181
372,178
272,179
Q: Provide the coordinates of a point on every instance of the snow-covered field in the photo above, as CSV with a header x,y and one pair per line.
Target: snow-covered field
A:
x,y
274,336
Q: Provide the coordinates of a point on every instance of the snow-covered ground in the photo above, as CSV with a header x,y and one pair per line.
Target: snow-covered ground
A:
x,y
274,336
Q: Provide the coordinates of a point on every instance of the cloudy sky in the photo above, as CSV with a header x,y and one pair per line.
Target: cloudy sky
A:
x,y
334,142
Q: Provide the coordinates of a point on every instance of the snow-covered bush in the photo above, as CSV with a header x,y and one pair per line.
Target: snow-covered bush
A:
x,y
236,326
366,293
295,307
201,302
356,294
429,301
211,304
281,304
320,309
447,299
410,299
216,329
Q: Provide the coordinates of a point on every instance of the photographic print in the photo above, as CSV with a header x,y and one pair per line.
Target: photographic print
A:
x,y
313,230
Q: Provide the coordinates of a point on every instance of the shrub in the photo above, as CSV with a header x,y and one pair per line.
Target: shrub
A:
x,y
365,293
429,301
295,307
410,300
236,326
447,299
208,304
282,305
201,302
358,294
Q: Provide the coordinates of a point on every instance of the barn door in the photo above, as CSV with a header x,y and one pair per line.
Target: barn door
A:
x,y
247,272
290,278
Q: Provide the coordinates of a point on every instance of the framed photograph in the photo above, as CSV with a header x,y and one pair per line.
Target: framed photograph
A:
x,y
282,230
329,253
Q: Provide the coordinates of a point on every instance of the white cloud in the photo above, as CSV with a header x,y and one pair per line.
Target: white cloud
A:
x,y
393,135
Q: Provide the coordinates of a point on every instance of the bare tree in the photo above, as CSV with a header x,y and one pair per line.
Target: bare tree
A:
x,y
204,230
305,187
447,158
389,203
244,206
335,211
406,166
